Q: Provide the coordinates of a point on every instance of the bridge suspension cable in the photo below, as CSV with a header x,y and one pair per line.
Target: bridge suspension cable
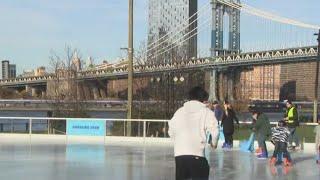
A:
x,y
285,33
175,43
277,18
272,34
257,12
180,28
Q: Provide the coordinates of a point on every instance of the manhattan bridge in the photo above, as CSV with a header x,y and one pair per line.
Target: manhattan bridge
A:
x,y
241,53
234,50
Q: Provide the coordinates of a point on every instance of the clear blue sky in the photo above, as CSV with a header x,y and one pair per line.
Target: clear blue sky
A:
x,y
30,29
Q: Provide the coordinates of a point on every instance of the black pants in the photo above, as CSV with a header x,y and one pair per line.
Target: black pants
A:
x,y
281,147
262,143
293,137
228,136
191,168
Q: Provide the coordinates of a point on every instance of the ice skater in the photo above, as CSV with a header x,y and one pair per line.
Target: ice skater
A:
x,y
188,129
228,118
262,129
292,120
317,141
218,112
280,135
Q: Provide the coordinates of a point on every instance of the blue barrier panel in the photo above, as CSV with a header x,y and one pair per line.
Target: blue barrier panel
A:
x,y
86,127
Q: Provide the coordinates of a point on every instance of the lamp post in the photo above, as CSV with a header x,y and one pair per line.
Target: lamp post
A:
x,y
316,83
130,67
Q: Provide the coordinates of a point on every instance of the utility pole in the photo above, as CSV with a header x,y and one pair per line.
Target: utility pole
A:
x,y
316,84
130,67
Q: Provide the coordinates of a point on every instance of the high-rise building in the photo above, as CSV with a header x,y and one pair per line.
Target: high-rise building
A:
x,y
76,62
5,69
8,70
12,71
166,16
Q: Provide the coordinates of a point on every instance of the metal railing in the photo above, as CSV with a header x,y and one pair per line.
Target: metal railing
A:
x,y
52,125
117,127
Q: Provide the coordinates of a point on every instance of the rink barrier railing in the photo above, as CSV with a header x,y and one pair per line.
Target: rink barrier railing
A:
x,y
29,123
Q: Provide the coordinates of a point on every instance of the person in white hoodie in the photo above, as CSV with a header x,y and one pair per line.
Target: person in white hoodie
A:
x,y
188,129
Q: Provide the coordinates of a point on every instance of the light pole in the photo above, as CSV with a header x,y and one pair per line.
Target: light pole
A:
x,y
130,67
316,84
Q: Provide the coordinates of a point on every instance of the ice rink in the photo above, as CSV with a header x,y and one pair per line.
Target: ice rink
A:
x,y
59,160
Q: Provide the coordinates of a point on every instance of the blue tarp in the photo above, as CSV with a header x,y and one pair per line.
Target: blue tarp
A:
x,y
248,145
221,135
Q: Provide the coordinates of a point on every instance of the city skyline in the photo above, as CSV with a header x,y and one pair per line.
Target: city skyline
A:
x,y
97,28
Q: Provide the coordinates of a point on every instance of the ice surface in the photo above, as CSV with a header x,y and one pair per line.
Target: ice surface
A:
x,y
59,161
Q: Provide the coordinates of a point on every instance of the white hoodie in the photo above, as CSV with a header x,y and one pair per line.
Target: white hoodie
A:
x,y
189,126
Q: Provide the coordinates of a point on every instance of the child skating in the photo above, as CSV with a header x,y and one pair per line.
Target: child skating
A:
x,y
280,135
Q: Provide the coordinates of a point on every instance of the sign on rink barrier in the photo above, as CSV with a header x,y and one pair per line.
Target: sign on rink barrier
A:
x,y
86,127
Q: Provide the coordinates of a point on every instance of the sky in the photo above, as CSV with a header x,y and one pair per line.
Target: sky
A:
x,y
32,29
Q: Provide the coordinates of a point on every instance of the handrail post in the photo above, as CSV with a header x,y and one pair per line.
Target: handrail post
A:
x,y
11,125
48,126
30,126
144,130
124,128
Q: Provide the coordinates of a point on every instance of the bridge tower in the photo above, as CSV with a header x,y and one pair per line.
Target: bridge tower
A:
x,y
218,11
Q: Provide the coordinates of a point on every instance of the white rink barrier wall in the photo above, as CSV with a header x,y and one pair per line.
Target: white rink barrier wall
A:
x,y
46,138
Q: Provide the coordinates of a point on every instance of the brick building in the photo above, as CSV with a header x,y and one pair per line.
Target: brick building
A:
x,y
277,82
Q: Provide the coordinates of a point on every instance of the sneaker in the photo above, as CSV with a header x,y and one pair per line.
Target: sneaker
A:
x,y
228,147
262,156
273,161
258,151
286,162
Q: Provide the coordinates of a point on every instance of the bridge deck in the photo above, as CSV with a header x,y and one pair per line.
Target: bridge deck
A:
x,y
60,160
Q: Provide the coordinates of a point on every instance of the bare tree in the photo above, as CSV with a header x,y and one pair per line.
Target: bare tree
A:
x,y
66,85
64,89
159,90
139,83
